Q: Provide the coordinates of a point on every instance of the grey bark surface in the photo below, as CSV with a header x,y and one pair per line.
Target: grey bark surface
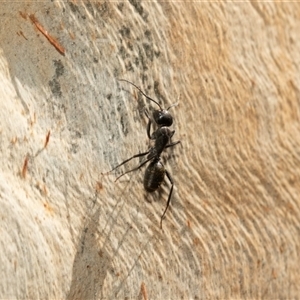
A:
x,y
69,232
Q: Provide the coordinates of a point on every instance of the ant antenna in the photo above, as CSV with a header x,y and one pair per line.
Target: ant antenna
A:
x,y
142,92
175,104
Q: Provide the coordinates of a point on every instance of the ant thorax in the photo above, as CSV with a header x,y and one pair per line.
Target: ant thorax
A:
x,y
162,137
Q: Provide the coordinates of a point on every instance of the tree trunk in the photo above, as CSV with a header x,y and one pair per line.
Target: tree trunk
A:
x,y
68,230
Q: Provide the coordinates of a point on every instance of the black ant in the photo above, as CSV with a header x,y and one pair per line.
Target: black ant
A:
x,y
155,172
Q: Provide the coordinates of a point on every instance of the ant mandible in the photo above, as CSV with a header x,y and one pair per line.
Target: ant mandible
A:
x,y
155,172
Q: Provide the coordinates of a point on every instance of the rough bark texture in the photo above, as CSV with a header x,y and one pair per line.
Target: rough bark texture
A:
x,y
232,230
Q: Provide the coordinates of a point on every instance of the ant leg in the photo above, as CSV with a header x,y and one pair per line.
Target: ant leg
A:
x,y
149,126
172,144
127,160
138,167
169,199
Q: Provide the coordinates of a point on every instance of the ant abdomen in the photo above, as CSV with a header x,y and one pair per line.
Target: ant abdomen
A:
x,y
154,176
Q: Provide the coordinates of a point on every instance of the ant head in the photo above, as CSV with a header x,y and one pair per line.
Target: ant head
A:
x,y
162,117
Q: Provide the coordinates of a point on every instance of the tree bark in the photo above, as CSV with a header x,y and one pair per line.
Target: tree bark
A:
x,y
68,230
